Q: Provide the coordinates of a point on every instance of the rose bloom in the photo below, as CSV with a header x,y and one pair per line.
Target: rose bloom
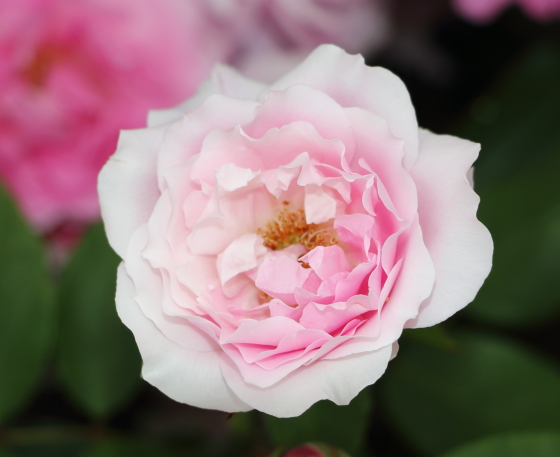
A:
x,y
277,240
270,37
312,450
486,10
72,73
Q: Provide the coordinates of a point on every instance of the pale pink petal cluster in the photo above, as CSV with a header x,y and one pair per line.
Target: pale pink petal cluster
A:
x,y
277,240
270,37
486,10
72,73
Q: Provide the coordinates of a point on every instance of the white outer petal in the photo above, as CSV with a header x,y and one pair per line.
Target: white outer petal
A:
x,y
460,246
185,137
127,185
185,376
337,380
223,80
348,80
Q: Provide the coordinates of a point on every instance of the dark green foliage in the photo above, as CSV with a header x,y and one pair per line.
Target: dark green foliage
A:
x,y
125,448
98,359
342,426
438,399
517,179
535,444
26,310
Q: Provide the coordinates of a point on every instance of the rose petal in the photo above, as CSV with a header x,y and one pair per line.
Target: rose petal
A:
x,y
330,70
383,152
356,230
323,379
412,286
280,277
240,256
327,261
302,103
151,297
460,246
221,149
186,376
330,318
320,205
127,185
223,80
184,138
231,177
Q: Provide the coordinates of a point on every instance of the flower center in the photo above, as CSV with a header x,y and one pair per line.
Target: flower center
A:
x,y
38,69
290,227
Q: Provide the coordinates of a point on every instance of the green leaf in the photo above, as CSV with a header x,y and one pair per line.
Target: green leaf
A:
x,y
438,399
534,444
26,310
242,425
4,453
523,215
517,179
516,122
125,448
434,336
98,359
341,426
48,449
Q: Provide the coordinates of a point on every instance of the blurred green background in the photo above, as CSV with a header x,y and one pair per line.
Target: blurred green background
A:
x,y
486,383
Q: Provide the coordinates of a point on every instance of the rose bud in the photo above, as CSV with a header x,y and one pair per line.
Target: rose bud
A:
x,y
311,450
277,240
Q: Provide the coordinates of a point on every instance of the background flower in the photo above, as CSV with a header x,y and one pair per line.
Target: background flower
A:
x,y
270,37
72,74
486,10
275,239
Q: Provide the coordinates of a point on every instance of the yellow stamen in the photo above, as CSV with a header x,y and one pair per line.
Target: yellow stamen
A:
x,y
290,227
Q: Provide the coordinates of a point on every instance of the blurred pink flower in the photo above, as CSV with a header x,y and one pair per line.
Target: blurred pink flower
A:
x,y
314,450
74,72
273,36
277,239
486,10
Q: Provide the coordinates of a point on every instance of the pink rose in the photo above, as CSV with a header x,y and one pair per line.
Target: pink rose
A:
x,y
486,10
73,72
313,450
270,37
307,450
276,240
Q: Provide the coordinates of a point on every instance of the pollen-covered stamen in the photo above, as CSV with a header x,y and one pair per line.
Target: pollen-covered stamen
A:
x,y
290,227
264,297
